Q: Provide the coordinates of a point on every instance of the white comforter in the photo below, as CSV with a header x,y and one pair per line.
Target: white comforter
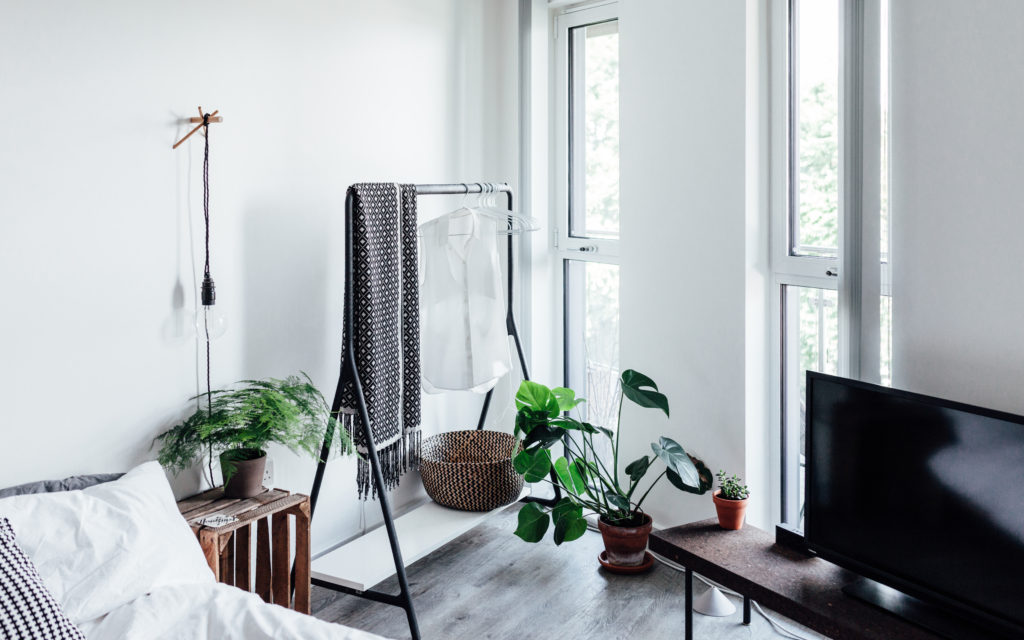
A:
x,y
211,612
124,565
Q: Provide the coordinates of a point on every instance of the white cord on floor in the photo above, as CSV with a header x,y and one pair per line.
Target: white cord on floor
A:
x,y
778,628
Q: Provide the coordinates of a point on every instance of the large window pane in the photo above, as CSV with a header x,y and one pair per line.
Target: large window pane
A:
x,y
592,337
594,130
810,343
814,219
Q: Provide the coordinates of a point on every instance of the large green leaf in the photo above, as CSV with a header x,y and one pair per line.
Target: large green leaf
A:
x,y
565,507
569,476
678,483
636,469
569,521
562,470
578,479
533,465
571,424
542,435
533,523
642,390
569,528
617,501
566,398
673,455
534,395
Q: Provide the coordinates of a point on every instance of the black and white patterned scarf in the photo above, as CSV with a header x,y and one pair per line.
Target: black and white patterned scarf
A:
x,y
387,330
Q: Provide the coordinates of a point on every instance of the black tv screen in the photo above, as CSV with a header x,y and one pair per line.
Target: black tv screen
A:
x,y
922,494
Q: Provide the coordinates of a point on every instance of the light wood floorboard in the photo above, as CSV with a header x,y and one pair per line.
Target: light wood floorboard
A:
x,y
490,584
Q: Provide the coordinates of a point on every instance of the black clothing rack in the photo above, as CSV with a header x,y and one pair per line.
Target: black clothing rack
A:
x,y
349,370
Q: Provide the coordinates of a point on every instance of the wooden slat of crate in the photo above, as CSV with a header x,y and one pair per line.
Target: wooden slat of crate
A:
x,y
214,502
199,500
263,559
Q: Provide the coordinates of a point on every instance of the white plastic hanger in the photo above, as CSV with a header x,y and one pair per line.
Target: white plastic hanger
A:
x,y
512,222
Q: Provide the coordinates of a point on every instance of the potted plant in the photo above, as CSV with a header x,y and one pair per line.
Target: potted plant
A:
x,y
237,424
730,501
591,482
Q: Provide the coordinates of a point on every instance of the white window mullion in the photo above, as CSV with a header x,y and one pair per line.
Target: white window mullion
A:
x,y
859,188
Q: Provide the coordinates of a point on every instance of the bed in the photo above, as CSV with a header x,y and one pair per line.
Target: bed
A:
x,y
121,563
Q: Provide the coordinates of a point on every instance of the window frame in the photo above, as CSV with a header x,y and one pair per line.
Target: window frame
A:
x,y
580,248
855,273
569,248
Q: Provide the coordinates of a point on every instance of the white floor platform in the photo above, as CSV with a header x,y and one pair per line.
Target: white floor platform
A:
x,y
366,560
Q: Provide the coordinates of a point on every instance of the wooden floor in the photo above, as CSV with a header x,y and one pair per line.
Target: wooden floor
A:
x,y
490,584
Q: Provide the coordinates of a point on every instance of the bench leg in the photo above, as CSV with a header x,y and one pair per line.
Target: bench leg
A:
x,y
746,609
689,604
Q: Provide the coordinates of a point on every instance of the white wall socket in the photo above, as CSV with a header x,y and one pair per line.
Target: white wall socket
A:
x,y
268,473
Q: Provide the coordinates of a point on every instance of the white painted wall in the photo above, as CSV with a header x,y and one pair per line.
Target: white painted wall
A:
x,y
693,239
101,223
958,229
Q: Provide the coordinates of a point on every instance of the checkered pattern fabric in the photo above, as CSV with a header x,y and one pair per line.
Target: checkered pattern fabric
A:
x,y
387,329
27,609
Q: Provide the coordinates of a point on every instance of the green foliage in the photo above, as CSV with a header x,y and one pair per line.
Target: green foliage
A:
x,y
819,170
291,412
584,476
732,488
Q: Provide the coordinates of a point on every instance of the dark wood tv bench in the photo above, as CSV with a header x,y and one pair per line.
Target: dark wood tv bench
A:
x,y
803,588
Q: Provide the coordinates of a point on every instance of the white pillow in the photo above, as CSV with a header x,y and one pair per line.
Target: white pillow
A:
x,y
104,546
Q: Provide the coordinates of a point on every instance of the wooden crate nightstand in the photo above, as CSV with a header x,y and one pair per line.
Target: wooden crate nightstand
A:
x,y
228,546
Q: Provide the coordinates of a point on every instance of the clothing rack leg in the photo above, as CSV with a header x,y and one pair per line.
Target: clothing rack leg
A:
x,y
483,412
385,504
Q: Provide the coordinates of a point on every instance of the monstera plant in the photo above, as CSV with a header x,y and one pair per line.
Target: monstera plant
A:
x,y
591,482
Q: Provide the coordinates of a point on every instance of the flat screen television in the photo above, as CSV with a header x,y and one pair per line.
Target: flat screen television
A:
x,y
921,494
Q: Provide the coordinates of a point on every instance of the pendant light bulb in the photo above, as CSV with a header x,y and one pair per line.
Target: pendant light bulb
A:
x,y
210,321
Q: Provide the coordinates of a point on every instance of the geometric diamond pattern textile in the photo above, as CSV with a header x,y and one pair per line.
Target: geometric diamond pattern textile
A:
x,y
28,611
386,334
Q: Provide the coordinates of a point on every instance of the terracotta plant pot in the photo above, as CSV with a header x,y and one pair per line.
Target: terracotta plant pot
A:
x,y
248,465
730,512
625,546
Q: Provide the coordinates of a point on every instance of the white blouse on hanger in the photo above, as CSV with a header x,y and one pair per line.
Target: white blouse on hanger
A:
x,y
463,337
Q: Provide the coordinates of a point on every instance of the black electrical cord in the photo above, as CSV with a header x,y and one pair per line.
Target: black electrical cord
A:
x,y
208,293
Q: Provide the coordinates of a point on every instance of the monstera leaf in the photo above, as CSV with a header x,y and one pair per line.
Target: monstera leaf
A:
x,y
707,480
534,465
678,462
535,396
642,390
567,400
533,523
636,469
569,521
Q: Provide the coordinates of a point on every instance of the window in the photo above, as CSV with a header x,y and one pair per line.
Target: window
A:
x,y
832,309
587,203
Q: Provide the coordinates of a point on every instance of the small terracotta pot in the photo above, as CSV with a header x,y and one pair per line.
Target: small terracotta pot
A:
x,y
247,479
730,512
625,546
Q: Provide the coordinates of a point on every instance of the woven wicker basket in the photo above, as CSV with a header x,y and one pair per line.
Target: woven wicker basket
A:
x,y
470,470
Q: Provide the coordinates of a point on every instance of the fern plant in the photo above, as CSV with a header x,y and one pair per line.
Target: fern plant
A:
x,y
243,421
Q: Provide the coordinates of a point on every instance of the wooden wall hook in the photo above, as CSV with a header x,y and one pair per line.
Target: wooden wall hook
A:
x,y
201,119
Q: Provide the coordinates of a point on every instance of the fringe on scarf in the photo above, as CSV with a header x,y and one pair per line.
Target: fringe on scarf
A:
x,y
395,459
